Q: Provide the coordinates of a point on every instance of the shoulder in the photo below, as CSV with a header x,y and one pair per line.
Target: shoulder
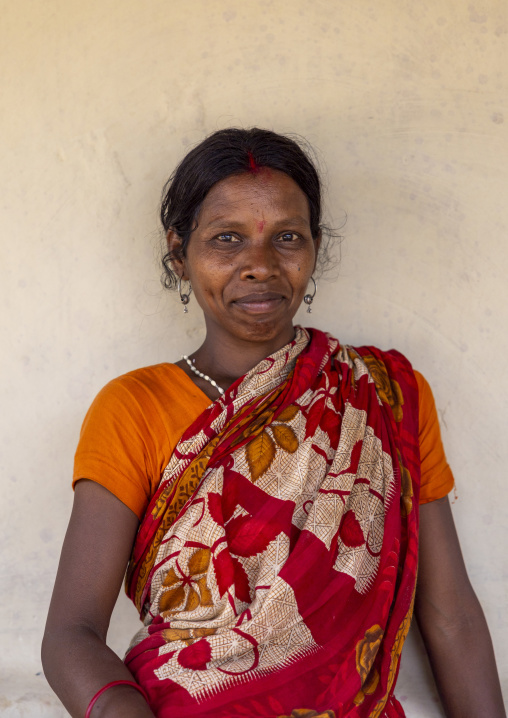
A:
x,y
138,396
424,390
403,388
392,358
389,369
142,384
161,394
147,377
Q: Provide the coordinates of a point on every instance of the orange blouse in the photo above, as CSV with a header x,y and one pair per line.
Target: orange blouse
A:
x,y
135,422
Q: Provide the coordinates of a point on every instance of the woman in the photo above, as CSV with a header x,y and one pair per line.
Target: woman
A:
x,y
276,478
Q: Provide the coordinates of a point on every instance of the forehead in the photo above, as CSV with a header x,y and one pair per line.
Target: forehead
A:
x,y
269,192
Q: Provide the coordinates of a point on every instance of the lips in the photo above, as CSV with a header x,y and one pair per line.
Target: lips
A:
x,y
260,301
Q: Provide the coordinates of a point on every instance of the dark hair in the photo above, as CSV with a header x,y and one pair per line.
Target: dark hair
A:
x,y
222,154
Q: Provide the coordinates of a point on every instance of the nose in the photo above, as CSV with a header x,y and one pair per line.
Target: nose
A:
x,y
260,261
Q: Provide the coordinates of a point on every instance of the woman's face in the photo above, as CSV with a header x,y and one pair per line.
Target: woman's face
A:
x,y
251,256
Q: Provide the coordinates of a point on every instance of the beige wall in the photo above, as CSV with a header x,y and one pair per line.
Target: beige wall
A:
x,y
406,104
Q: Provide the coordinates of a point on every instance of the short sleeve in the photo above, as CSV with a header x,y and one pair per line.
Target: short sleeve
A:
x,y
436,476
116,446
132,428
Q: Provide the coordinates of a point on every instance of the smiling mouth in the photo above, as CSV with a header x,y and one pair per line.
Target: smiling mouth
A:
x,y
260,303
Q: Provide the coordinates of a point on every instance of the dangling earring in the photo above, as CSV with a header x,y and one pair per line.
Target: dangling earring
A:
x,y
309,298
184,298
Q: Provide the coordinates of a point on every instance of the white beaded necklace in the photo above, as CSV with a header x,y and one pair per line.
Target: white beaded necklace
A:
x,y
203,376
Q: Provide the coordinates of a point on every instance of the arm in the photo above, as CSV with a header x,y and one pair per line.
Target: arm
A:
x,y
76,659
452,623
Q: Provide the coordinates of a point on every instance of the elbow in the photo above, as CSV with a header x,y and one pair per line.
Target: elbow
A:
x,y
61,643
460,617
53,648
49,652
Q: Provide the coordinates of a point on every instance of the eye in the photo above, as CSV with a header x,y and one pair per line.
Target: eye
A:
x,y
289,237
227,237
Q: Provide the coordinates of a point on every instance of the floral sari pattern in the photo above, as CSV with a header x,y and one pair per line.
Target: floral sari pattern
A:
x,y
276,564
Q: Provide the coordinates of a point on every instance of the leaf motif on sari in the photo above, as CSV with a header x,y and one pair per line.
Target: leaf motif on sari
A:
x,y
248,536
170,600
171,578
350,530
177,634
406,487
230,572
224,572
288,414
187,635
197,565
330,423
395,657
368,688
253,424
192,600
196,656
366,651
285,437
314,417
199,561
388,389
275,705
242,589
215,508
260,452
205,593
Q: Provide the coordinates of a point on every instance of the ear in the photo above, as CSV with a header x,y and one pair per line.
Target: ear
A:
x,y
174,243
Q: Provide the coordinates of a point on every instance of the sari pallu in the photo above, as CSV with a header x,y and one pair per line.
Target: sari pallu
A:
x,y
276,564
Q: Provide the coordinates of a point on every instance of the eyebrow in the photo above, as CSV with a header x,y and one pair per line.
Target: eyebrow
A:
x,y
224,222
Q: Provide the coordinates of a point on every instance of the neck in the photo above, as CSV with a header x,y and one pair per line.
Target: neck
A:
x,y
225,359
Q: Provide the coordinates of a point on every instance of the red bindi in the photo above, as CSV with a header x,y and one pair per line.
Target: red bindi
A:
x,y
253,165
261,224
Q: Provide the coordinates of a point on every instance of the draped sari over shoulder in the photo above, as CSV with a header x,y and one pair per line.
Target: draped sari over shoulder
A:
x,y
275,567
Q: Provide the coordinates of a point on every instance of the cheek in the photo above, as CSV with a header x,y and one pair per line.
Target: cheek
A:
x,y
300,279
207,285
306,263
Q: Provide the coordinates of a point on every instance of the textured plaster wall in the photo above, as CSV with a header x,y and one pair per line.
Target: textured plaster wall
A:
x,y
406,105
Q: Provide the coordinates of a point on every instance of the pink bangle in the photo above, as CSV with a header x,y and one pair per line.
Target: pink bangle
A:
x,y
110,685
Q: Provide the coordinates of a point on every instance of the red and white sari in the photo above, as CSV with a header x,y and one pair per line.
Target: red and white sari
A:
x,y
276,565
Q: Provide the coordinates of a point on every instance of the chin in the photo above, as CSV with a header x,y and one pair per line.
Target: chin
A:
x,y
267,331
